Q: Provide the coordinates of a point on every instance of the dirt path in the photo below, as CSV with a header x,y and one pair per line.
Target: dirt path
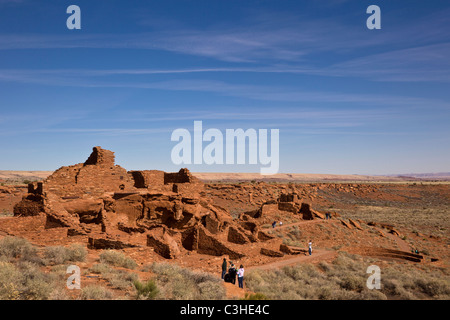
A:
x,y
318,254
234,292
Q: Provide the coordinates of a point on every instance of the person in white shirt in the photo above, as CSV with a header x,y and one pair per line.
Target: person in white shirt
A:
x,y
310,247
241,276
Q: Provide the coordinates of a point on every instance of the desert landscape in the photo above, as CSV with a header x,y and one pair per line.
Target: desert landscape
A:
x,y
156,235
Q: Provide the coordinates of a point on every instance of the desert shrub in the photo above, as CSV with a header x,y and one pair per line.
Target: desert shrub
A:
x,y
58,294
26,282
9,281
433,287
198,277
325,293
95,293
148,290
120,279
13,247
353,283
179,283
117,259
372,295
254,296
60,254
55,255
36,285
211,290
100,268
76,252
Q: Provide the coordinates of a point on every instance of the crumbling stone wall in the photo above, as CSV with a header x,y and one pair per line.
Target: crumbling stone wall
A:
x,y
101,199
148,178
182,176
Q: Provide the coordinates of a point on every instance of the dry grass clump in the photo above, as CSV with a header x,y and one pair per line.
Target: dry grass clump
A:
x,y
20,274
18,249
117,259
94,292
59,255
25,281
118,279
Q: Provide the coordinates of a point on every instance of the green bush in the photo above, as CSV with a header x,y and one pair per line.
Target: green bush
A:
x,y
148,290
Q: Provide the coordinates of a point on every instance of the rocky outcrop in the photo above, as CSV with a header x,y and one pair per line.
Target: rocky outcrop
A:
x,y
271,253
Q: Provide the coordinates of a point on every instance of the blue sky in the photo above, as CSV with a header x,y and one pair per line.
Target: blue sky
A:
x,y
346,99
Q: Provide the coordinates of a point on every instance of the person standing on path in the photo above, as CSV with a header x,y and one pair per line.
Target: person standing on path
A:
x,y
232,273
224,267
310,247
241,276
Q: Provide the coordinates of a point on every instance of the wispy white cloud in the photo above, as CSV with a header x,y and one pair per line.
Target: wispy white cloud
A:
x,y
275,38
281,93
279,43
424,63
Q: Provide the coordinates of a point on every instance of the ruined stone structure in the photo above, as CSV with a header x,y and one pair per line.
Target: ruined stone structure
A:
x,y
116,208
289,202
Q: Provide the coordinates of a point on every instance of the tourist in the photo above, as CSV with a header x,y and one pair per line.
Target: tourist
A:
x,y
274,224
310,247
232,273
281,223
241,276
224,267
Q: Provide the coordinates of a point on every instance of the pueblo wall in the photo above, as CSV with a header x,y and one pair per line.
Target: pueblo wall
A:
x,y
118,209
94,177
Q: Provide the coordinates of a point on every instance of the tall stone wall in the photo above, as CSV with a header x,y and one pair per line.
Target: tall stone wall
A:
x,y
101,157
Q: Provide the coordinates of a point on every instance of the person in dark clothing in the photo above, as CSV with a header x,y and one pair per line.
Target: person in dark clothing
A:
x,y
232,273
224,267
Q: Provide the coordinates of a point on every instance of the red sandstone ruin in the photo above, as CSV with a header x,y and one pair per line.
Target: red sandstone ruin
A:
x,y
116,208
